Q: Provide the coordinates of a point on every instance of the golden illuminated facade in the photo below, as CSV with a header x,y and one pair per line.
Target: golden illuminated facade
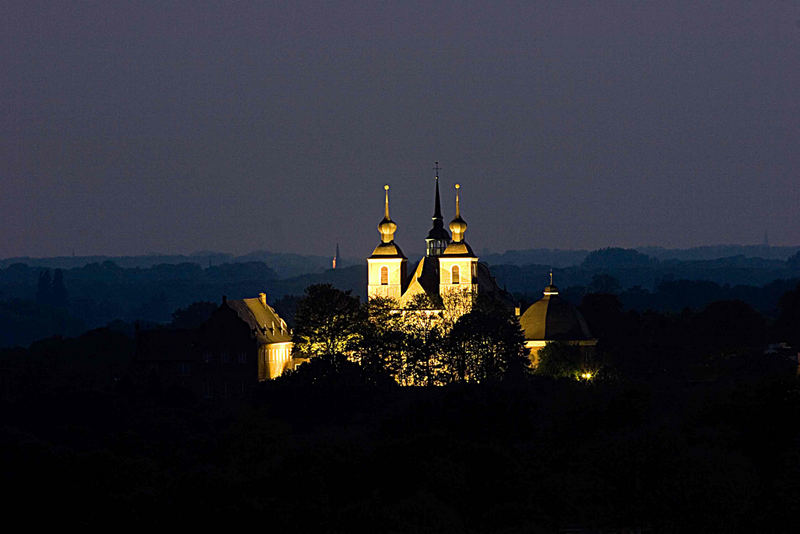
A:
x,y
451,277
449,272
553,319
387,265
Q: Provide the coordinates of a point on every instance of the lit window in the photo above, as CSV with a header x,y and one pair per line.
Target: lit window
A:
x,y
456,275
384,276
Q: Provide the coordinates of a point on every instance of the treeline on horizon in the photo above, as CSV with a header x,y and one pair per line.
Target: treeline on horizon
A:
x,y
97,294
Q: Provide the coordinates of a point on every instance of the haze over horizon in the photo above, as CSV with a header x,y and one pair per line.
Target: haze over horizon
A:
x,y
183,127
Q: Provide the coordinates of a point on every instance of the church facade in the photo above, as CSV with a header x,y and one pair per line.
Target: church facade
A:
x,y
449,269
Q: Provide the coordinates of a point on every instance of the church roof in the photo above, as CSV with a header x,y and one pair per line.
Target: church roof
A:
x,y
425,279
459,250
263,320
553,319
438,232
387,250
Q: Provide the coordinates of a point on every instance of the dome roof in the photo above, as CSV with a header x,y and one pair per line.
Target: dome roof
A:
x,y
459,249
553,319
389,250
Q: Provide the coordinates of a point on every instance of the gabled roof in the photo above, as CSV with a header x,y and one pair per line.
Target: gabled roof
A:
x,y
263,320
425,279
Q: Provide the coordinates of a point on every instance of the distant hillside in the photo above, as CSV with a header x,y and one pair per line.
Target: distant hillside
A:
x,y
540,256
566,258
713,252
285,265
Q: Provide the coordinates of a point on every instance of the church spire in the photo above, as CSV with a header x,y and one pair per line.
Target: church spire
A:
x,y
387,227
437,209
458,225
437,237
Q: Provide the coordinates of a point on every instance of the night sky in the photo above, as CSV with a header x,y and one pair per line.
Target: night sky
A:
x,y
136,127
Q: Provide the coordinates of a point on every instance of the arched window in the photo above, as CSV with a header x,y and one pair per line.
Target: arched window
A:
x,y
384,276
456,274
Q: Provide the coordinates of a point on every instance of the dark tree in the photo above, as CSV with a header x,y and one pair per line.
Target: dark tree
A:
x,y
787,325
423,342
193,315
729,325
560,360
44,289
604,283
328,321
59,290
381,350
486,344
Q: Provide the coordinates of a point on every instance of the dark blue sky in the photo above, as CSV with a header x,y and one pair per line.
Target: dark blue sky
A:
x,y
136,127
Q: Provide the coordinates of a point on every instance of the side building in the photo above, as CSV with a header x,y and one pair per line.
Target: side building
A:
x,y
243,342
553,319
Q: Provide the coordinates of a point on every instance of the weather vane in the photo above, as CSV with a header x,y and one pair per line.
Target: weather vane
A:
x,y
436,168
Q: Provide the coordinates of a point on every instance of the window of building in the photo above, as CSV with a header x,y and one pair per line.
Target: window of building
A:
x,y
225,357
185,369
207,357
242,357
456,274
384,276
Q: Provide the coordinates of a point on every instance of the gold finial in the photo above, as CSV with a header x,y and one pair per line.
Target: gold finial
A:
x,y
386,213
551,277
387,226
458,204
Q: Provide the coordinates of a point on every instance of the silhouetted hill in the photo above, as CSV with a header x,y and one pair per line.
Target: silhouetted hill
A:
x,y
567,258
712,252
285,265
541,256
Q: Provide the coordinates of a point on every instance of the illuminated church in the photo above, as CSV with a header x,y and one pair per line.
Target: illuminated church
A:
x,y
449,266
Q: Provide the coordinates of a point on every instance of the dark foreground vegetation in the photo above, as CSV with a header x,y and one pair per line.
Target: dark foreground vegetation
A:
x,y
690,427
534,456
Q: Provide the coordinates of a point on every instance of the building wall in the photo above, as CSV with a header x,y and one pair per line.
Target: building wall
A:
x,y
468,275
397,274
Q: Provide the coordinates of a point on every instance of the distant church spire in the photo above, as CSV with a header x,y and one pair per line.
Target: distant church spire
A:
x,y
336,256
437,237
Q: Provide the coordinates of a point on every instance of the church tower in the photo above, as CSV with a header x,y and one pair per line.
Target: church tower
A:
x,y
387,265
438,238
458,265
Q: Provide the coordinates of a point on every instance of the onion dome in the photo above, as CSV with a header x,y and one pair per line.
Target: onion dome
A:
x,y
458,226
387,228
